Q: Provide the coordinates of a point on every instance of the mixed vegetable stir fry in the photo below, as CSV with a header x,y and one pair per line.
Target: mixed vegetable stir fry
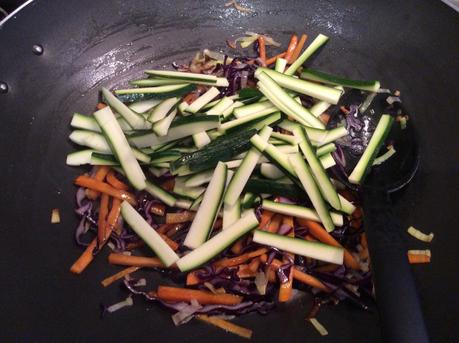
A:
x,y
224,169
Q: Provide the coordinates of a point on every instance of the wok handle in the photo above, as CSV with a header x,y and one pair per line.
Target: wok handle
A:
x,y
398,303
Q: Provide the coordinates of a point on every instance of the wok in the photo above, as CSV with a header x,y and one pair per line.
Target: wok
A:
x,y
411,46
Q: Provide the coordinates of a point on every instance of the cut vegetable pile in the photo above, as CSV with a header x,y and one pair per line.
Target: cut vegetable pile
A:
x,y
221,177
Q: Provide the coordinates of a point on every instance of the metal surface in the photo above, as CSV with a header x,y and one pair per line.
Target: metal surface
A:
x,y
410,45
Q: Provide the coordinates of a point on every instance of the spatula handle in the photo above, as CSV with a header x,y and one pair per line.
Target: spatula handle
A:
x,y
398,303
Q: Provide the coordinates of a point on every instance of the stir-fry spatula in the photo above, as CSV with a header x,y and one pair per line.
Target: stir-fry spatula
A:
x,y
396,296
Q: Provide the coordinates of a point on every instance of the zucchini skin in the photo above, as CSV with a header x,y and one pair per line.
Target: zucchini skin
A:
x,y
221,149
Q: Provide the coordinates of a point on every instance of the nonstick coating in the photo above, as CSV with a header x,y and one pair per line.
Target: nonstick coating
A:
x,y
408,45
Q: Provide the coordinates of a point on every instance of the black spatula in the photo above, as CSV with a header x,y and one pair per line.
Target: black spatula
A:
x,y
398,304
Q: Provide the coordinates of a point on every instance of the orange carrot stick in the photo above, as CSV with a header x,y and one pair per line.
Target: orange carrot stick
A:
x,y
291,47
299,275
271,274
234,261
418,256
163,228
226,325
158,209
298,48
168,185
274,58
254,264
179,217
112,180
173,229
88,254
100,174
275,223
171,243
100,105
322,235
324,118
88,182
85,258
237,247
190,97
245,272
262,48
135,245
415,259
265,219
192,279
174,294
113,216
102,219
138,261
285,289
109,280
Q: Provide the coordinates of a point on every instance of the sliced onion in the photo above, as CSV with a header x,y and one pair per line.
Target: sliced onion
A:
x,y
319,327
420,235
115,307
186,314
261,281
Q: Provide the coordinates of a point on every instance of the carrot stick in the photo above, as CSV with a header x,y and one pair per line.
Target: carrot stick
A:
x,y
192,279
179,217
324,118
85,258
327,268
163,228
419,256
138,261
271,274
322,235
171,243
262,48
298,48
237,247
310,238
275,223
190,97
173,229
299,275
285,289
274,58
174,294
112,180
101,220
245,272
254,264
100,105
291,47
415,259
158,209
113,216
88,182
101,172
109,280
88,254
135,245
234,261
226,325
265,219
168,185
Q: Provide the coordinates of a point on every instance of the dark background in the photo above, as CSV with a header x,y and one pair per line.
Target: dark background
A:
x,y
411,45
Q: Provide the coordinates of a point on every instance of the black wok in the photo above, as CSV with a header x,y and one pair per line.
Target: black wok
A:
x,y
409,45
